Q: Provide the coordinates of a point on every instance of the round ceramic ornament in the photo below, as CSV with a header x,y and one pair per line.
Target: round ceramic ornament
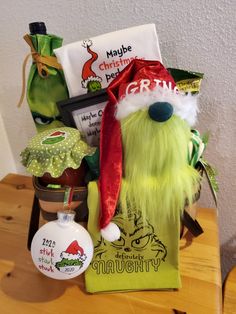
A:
x,y
62,249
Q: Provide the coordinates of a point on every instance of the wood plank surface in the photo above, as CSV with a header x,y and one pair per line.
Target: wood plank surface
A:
x,y
24,290
230,293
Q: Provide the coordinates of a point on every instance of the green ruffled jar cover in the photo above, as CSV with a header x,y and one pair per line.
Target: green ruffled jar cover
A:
x,y
55,150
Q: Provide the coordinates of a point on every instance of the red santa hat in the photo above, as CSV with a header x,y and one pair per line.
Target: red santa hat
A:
x,y
74,249
142,84
88,74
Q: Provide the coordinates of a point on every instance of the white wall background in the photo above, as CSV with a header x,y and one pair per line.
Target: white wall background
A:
x,y
195,35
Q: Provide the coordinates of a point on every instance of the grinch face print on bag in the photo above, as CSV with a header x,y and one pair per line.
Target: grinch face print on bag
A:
x,y
44,122
139,237
137,250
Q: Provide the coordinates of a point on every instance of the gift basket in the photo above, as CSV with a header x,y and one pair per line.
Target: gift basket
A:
x,y
136,191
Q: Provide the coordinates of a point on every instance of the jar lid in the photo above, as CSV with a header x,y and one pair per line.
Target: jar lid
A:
x,y
54,150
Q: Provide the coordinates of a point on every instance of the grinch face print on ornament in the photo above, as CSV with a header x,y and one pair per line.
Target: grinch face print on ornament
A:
x,y
72,259
90,80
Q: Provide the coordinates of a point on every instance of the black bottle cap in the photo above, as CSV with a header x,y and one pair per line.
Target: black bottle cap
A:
x,y
37,28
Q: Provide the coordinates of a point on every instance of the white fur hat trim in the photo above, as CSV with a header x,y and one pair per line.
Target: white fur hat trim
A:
x,y
70,256
184,105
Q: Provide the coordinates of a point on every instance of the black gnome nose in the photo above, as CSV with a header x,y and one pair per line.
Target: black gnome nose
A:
x,y
160,111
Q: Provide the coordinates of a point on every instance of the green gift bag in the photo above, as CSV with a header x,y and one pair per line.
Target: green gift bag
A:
x,y
144,258
46,84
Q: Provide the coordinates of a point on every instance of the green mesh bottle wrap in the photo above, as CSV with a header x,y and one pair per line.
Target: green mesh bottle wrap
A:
x,y
46,84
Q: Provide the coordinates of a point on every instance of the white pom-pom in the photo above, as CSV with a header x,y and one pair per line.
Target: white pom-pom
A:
x,y
111,232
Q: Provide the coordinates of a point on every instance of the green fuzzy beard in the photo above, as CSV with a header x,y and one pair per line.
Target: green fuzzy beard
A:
x,y
156,176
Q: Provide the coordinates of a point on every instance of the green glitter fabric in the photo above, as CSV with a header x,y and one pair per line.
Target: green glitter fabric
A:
x,y
54,150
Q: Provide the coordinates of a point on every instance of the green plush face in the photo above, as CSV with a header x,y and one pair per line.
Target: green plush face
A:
x,y
93,86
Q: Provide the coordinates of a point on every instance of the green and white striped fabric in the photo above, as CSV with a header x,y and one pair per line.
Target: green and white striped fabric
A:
x,y
196,148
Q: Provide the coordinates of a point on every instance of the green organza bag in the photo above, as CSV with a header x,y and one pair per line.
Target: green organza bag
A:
x,y
46,84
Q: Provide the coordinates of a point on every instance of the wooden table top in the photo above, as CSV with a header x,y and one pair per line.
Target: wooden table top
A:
x,y
24,290
229,292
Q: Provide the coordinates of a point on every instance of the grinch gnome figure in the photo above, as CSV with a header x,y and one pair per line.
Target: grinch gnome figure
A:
x,y
146,131
145,180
